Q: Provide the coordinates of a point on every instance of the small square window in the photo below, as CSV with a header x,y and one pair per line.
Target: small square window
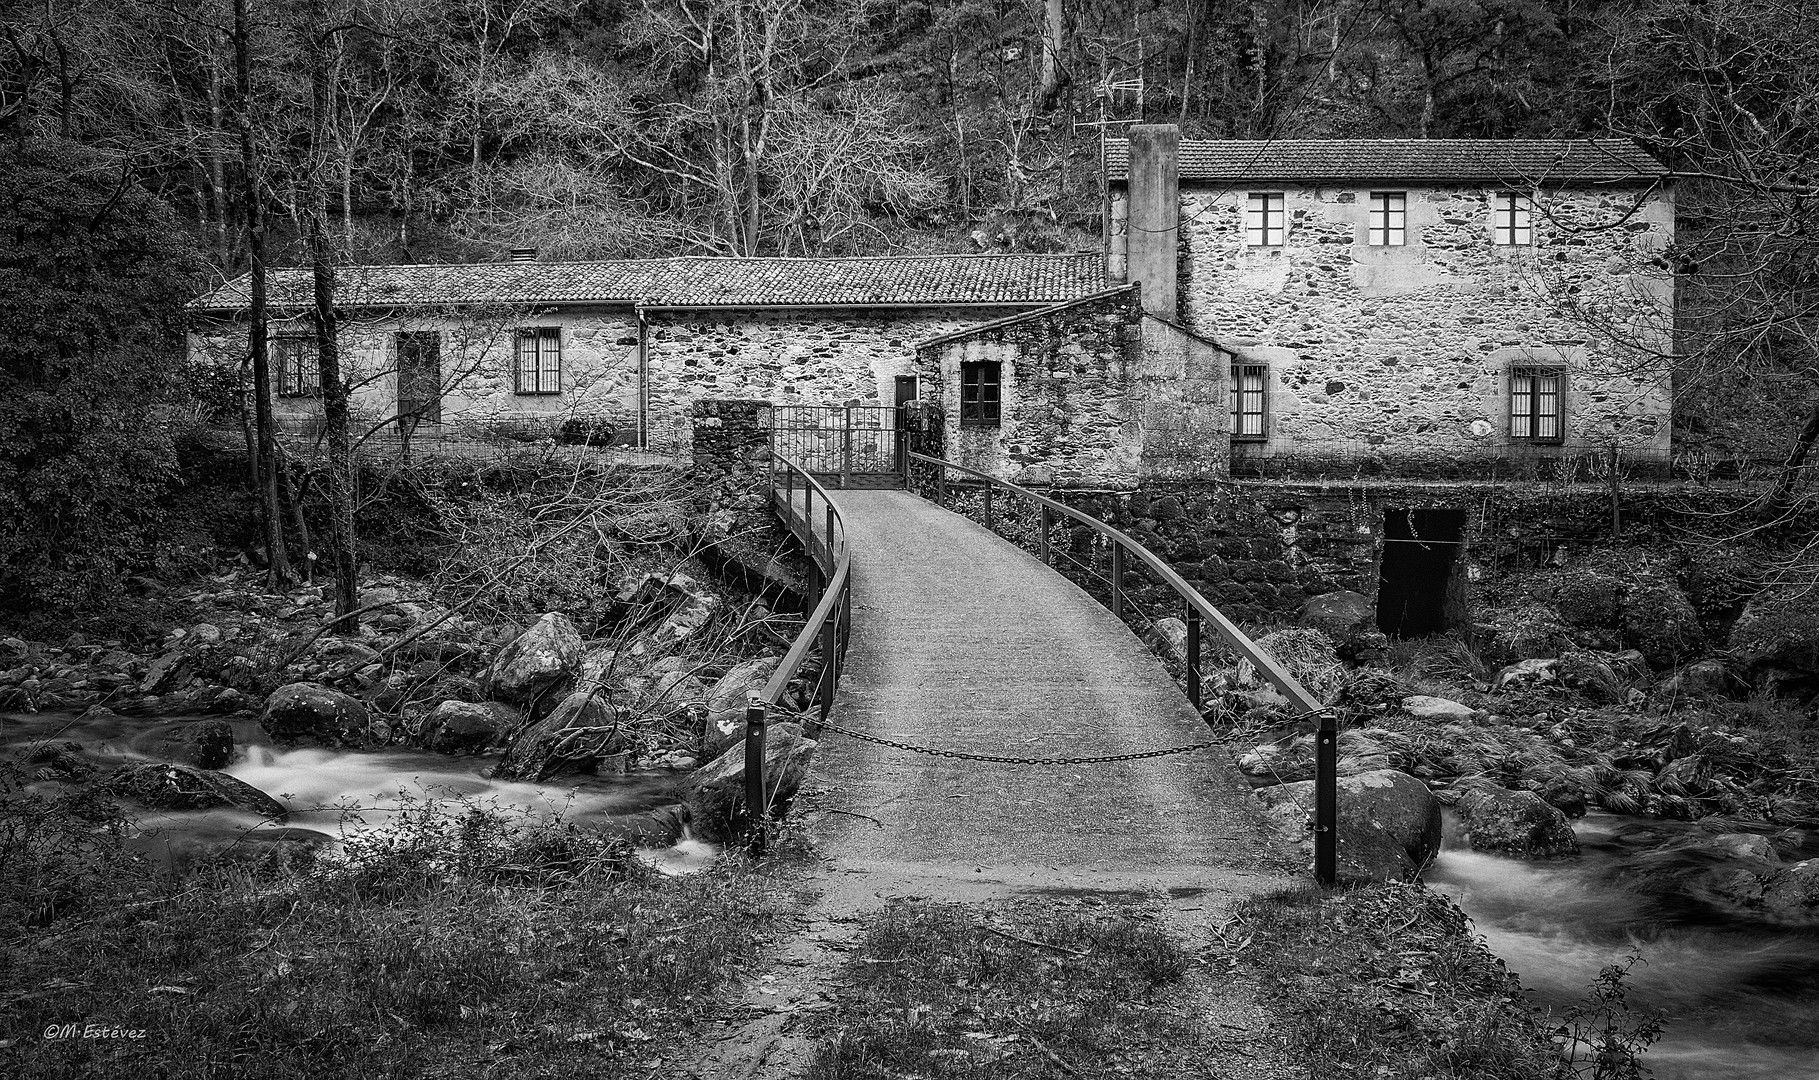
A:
x,y
538,369
1248,382
980,395
1512,218
1389,218
1263,219
294,358
1537,405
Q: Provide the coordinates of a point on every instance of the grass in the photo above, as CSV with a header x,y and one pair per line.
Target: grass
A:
x,y
449,945
1010,990
1386,981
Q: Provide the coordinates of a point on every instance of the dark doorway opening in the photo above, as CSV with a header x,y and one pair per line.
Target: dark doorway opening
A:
x,y
1419,592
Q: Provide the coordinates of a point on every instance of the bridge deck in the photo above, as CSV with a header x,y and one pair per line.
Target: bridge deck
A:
x,y
963,641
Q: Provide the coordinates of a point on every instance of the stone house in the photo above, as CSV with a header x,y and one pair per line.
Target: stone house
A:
x,y
1402,305
628,345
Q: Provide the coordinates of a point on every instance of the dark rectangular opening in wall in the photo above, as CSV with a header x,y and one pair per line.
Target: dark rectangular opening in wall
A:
x,y
1418,593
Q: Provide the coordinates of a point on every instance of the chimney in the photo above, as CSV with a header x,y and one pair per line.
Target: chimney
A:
x,y
1154,192
524,255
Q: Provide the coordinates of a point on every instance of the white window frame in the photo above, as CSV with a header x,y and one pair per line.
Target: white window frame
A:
x,y
1250,385
542,377
1388,225
1537,401
1265,219
1512,219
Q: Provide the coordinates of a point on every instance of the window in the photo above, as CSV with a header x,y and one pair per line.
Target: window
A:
x,y
294,355
1247,401
1537,405
979,395
1263,219
1389,218
539,366
1510,218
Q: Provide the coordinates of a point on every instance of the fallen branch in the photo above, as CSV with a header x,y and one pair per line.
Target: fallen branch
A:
x,y
1054,1059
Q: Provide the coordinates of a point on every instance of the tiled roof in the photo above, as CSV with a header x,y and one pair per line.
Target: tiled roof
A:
x,y
1547,161
697,281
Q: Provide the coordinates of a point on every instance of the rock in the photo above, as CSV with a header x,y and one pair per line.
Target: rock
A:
x,y
1775,642
460,727
171,671
715,793
1661,623
180,787
659,827
1509,635
202,634
345,653
1586,673
1389,823
205,744
578,732
1531,672
1516,823
696,608
536,661
1425,707
1033,476
727,700
1589,600
1294,760
1307,655
1630,666
1742,846
1169,636
1792,894
307,711
1338,614
383,595
1710,678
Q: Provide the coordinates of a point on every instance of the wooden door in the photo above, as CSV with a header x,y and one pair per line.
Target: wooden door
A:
x,y
420,378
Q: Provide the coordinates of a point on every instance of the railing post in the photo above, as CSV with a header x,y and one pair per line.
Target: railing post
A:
x,y
829,652
1193,654
988,508
827,538
1043,544
808,502
1117,579
846,450
1326,800
941,485
757,807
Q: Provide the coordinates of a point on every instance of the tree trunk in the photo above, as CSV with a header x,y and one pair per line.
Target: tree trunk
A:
x,y
278,572
1781,497
1054,39
328,354
216,167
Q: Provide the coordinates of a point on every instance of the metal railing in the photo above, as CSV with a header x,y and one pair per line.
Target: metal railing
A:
x,y
824,633
1128,556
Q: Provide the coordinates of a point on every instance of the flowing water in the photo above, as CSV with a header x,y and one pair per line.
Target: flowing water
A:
x,y
1741,997
331,791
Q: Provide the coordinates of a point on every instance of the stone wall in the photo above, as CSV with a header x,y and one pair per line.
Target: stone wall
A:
x,y
806,357
1402,354
731,445
478,353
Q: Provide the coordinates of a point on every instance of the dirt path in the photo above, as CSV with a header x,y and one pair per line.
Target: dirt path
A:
x,y
964,642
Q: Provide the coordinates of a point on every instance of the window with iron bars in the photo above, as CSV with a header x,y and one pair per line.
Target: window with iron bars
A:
x,y
539,361
1512,218
980,394
1537,405
1263,219
1248,383
1389,218
294,355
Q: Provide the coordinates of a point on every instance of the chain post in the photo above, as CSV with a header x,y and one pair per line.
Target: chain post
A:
x,y
1193,655
1326,800
1117,580
757,807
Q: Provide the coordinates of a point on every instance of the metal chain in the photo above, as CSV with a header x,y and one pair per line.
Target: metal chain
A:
x,y
1008,760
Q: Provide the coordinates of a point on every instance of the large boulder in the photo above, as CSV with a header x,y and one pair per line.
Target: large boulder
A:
x,y
1586,673
460,727
1389,823
535,661
307,712
726,703
1509,635
578,732
1437,709
1517,823
1776,643
1661,623
1588,600
715,793
1338,614
180,787
1791,894
1710,678
205,744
